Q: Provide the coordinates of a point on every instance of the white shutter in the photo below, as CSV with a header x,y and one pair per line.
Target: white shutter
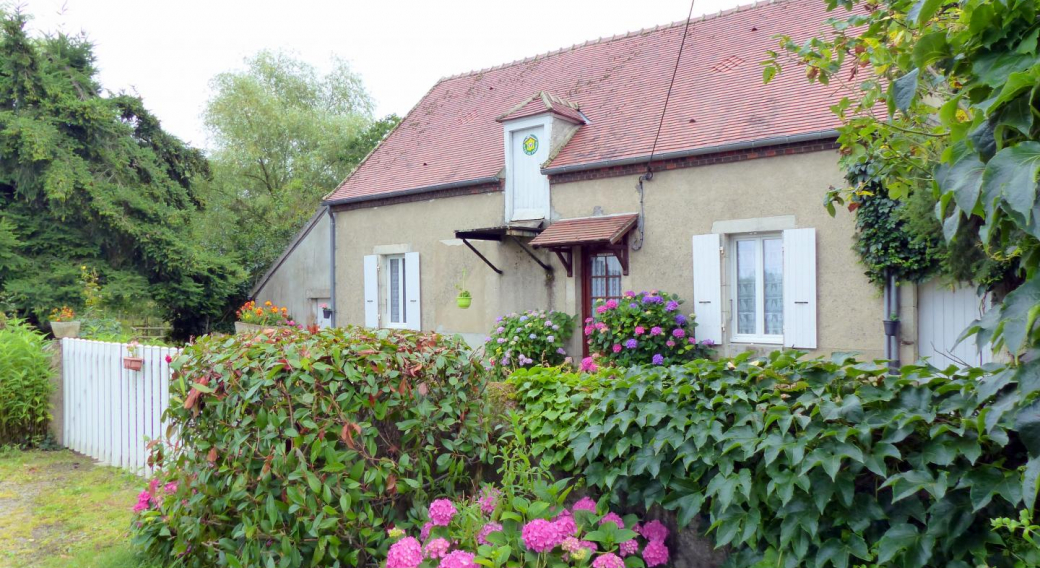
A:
x,y
800,288
411,290
707,287
372,290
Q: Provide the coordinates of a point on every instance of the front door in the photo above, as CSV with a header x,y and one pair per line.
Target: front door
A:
x,y
600,280
528,188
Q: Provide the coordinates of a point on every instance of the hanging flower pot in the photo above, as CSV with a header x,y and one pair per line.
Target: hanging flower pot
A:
x,y
891,327
133,363
326,311
463,300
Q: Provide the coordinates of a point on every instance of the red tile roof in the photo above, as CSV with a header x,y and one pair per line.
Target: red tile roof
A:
x,y
586,230
451,137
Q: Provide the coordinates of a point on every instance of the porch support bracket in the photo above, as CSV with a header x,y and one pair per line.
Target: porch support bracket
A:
x,y
530,253
566,259
482,257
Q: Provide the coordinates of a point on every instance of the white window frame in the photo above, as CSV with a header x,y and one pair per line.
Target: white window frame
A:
x,y
402,293
759,336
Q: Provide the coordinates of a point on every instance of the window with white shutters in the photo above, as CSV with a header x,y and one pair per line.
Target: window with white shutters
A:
x,y
392,291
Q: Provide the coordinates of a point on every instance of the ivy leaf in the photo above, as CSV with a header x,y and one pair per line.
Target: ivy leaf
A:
x,y
897,539
1019,312
903,89
580,446
1012,175
929,48
1028,425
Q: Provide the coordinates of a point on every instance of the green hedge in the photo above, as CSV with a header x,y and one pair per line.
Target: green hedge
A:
x,y
302,449
25,383
801,462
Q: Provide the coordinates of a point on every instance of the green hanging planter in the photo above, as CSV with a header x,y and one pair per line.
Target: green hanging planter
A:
x,y
463,300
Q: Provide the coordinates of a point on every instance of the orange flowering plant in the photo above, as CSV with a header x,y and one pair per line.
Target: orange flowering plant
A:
x,y
63,313
267,314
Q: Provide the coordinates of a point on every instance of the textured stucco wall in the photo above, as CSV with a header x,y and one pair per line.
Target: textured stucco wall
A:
x,y
302,281
678,204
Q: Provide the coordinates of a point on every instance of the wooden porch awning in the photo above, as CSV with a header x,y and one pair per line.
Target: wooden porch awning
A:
x,y
584,231
605,232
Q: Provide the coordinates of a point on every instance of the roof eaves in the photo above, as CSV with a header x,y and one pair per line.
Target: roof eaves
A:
x,y
701,151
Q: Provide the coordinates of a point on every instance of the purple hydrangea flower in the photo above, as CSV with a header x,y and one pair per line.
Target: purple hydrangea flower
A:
x,y
631,343
628,548
655,330
437,548
671,306
678,332
680,319
658,359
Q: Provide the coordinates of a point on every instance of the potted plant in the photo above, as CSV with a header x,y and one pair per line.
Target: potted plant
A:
x,y
326,311
253,318
132,361
464,299
63,322
892,324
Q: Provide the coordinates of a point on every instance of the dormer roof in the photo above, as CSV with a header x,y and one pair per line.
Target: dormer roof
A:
x,y
543,102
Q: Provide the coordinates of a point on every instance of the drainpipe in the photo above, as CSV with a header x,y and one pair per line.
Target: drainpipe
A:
x,y
332,263
891,326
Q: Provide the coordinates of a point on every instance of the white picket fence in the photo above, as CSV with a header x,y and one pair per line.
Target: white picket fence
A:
x,y
110,413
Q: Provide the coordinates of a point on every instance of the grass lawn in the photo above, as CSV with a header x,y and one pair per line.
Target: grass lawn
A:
x,y
58,509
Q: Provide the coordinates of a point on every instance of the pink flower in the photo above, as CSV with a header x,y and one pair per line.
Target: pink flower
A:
x,y
655,330
405,553
143,500
654,531
589,365
655,554
457,559
585,504
424,533
601,326
613,517
488,499
442,512
608,560
588,330
640,330
601,309
617,348
630,294
611,304
570,544
678,332
565,525
437,548
170,487
670,343
169,359
540,535
628,548
486,530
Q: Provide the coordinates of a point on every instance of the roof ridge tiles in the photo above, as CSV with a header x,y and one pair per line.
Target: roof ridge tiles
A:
x,y
705,17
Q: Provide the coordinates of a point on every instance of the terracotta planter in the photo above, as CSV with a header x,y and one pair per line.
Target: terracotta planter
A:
x,y
133,363
62,329
463,301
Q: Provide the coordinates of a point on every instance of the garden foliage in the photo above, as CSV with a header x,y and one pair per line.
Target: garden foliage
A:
x,y
535,337
801,462
643,329
301,449
25,383
92,179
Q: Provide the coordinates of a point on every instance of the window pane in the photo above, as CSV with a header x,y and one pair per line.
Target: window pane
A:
x,y
614,282
395,290
599,266
746,287
773,271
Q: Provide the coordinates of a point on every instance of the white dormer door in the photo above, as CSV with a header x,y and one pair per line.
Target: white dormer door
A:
x,y
527,190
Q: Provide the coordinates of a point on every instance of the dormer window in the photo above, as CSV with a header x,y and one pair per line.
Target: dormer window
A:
x,y
534,131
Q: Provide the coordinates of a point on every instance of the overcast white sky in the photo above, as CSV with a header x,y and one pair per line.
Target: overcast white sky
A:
x,y
168,50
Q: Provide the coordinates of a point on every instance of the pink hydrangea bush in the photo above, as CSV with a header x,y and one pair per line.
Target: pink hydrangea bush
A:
x,y
645,328
535,337
486,530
